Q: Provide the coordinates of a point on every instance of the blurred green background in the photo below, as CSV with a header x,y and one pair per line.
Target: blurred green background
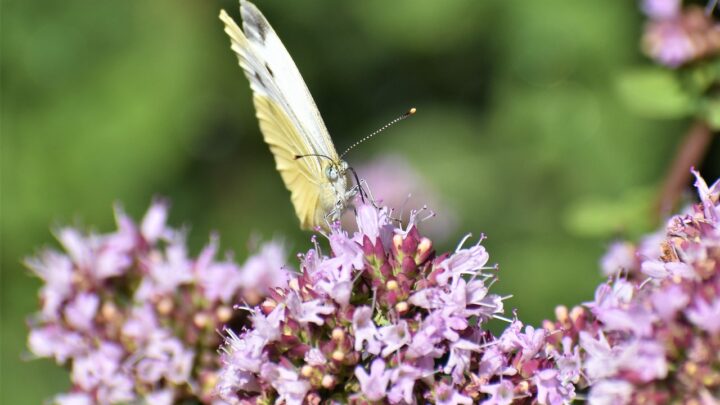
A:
x,y
520,129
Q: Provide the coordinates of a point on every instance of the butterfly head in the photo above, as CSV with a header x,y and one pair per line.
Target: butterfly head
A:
x,y
335,171
337,175
340,192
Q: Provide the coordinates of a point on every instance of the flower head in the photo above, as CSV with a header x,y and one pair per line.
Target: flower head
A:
x,y
134,316
648,334
675,37
661,9
381,317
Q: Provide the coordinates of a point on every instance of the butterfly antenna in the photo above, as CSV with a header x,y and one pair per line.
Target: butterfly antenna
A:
x,y
386,126
313,154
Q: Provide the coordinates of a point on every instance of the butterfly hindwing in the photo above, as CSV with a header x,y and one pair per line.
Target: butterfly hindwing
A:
x,y
299,177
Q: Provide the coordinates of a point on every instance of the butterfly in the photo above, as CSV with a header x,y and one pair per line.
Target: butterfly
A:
x,y
290,122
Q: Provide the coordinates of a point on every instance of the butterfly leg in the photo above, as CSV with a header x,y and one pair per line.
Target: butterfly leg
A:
x,y
354,190
364,189
365,192
333,216
356,187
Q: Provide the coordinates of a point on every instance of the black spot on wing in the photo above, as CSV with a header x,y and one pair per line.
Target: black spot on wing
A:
x,y
269,70
259,79
253,19
263,28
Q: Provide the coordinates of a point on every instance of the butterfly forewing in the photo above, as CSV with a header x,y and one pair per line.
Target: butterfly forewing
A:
x,y
285,75
289,120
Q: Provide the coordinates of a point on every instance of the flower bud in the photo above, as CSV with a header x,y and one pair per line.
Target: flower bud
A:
x,y
522,388
410,243
268,305
338,355
379,250
561,313
386,270
338,334
402,307
576,313
548,326
201,320
208,381
397,241
328,381
165,306
108,311
307,371
223,313
409,266
367,246
423,250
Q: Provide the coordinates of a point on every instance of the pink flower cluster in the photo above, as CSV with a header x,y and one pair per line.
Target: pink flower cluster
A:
x,y
134,317
675,35
380,317
652,333
383,319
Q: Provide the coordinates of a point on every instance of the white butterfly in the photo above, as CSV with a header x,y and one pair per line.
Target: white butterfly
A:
x,y
290,122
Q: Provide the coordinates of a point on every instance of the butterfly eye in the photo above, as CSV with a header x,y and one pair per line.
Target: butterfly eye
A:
x,y
332,173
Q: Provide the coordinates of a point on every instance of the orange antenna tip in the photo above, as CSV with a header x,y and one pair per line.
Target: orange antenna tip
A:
x,y
412,111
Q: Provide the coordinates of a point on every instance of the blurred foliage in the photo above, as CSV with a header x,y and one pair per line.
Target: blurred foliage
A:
x,y
629,214
520,126
658,92
655,92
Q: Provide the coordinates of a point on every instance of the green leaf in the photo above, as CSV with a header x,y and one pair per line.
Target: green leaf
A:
x,y
701,77
711,112
630,214
655,92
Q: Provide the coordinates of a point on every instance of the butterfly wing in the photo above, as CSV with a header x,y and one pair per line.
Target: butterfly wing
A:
x,y
303,179
289,119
